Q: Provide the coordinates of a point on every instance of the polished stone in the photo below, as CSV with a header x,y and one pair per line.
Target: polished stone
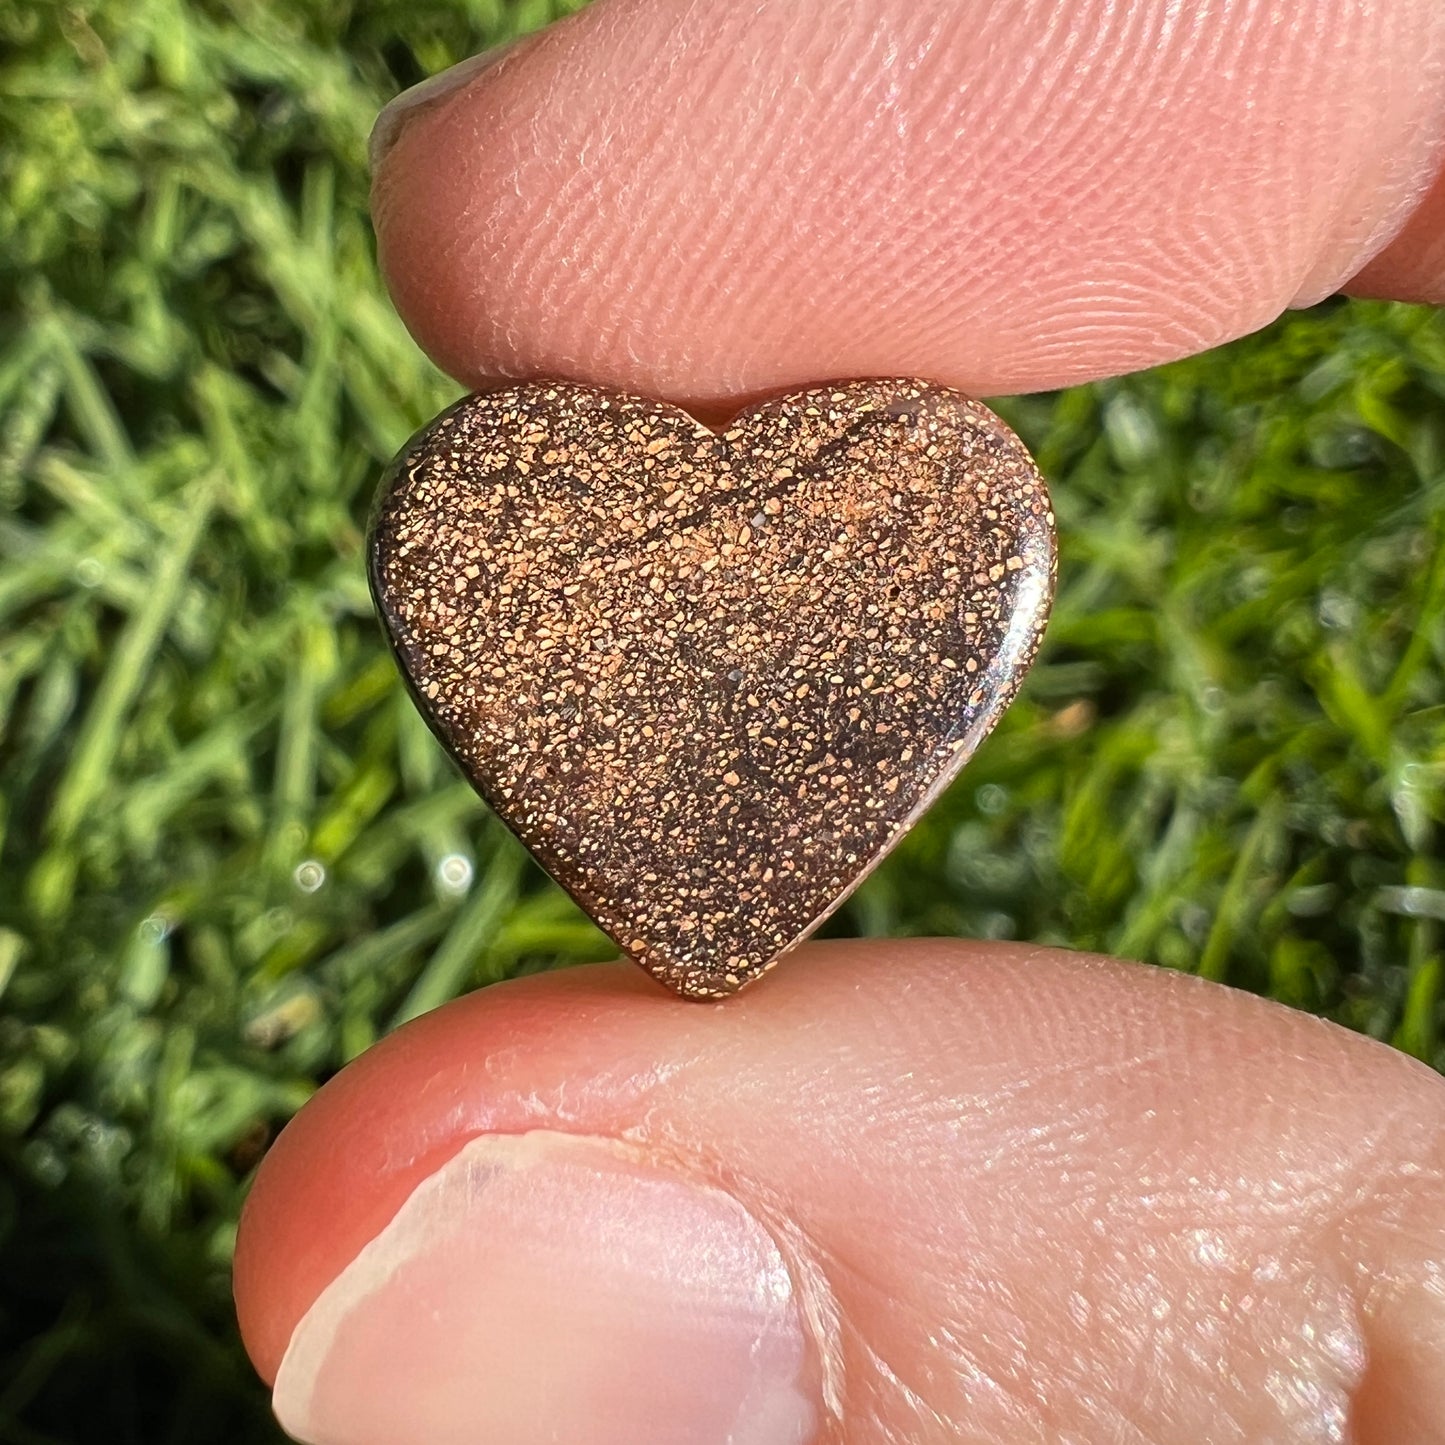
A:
x,y
711,680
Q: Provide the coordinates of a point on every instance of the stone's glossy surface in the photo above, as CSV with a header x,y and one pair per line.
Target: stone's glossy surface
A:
x,y
711,680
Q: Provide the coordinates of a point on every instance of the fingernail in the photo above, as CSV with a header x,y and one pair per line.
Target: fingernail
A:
x,y
545,1287
402,108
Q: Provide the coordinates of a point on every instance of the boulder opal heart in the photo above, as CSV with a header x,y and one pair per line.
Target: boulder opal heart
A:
x,y
710,680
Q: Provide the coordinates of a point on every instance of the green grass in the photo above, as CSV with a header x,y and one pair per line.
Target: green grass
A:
x,y
231,856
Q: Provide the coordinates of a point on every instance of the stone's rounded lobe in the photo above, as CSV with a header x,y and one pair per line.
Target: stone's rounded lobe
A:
x,y
710,680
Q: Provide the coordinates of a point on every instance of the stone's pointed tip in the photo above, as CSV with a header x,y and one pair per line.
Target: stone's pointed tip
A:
x,y
711,681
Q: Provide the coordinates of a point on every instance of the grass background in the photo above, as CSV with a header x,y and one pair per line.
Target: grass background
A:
x,y
231,855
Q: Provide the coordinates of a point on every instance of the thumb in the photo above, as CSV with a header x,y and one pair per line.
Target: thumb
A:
x,y
928,1192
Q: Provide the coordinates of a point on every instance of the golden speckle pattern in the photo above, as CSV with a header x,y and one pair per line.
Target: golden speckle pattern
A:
x,y
710,680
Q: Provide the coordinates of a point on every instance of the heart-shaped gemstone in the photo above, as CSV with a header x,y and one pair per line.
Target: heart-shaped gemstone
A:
x,y
710,680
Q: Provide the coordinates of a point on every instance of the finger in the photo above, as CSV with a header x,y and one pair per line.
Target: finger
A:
x,y
1412,266
709,201
934,1192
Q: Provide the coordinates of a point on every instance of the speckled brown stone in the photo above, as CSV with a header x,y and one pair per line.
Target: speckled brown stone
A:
x,y
711,680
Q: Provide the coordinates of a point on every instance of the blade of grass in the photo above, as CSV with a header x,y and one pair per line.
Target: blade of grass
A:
x,y
459,953
95,748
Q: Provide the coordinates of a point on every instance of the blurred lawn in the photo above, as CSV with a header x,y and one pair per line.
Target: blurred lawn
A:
x,y
230,854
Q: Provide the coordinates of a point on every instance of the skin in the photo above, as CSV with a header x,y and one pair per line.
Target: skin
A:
x,y
1017,1195
1002,195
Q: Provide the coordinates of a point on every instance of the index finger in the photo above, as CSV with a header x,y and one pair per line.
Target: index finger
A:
x,y
709,201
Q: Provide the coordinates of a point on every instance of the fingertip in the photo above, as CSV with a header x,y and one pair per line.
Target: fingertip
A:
x,y
712,204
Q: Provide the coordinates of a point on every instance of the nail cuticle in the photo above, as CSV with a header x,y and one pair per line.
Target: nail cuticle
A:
x,y
819,1315
818,1311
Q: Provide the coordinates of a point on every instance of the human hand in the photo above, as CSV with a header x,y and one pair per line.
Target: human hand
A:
x,y
912,1192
